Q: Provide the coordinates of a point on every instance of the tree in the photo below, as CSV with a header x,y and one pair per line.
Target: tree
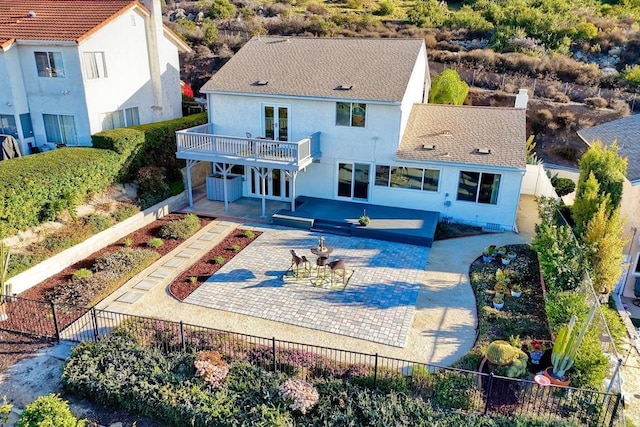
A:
x,y
609,170
604,243
448,88
222,9
428,14
586,205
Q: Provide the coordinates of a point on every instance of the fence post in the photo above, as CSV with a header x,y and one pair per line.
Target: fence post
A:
x,y
273,348
184,344
486,398
375,372
55,321
94,318
615,409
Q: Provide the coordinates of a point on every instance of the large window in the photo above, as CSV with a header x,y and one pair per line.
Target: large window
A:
x,y
49,64
479,187
406,177
94,65
120,118
60,129
8,125
351,114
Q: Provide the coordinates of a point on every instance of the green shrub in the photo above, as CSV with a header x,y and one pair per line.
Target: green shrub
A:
x,y
156,242
127,241
97,222
386,8
57,242
82,273
249,234
632,75
235,248
124,211
563,186
20,262
39,186
218,260
48,411
124,141
455,390
181,228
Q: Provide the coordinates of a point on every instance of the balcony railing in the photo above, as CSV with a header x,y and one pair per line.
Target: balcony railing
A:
x,y
201,140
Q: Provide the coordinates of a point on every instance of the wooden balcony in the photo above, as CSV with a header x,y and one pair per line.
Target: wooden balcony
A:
x,y
201,143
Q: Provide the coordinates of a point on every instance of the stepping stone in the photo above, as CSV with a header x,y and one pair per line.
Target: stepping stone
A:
x,y
112,308
129,297
146,284
187,253
161,273
207,237
198,245
174,262
218,229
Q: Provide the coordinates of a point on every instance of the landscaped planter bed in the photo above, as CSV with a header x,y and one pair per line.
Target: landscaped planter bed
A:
x,y
183,286
30,313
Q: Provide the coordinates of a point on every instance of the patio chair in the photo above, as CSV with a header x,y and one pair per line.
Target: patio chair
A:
x,y
338,270
321,263
297,261
636,292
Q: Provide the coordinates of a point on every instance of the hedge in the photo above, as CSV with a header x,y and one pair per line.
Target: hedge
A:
x,y
124,141
36,188
159,148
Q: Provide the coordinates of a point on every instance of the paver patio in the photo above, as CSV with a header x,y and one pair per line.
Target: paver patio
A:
x,y
377,304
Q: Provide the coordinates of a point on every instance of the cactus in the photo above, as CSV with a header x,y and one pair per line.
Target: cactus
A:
x,y
567,343
501,352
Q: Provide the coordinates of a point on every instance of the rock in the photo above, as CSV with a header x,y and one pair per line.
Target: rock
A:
x,y
200,16
117,424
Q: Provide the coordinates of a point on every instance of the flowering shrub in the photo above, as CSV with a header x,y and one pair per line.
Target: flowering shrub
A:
x,y
302,395
211,366
186,89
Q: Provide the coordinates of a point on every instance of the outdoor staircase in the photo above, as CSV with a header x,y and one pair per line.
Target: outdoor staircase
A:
x,y
339,228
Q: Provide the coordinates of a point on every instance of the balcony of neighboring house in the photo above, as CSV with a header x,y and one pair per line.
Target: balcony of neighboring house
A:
x,y
201,143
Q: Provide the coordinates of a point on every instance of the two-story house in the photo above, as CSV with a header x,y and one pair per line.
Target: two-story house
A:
x,y
346,119
71,68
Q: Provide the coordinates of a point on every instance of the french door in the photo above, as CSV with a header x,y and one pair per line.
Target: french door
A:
x,y
276,122
276,184
353,180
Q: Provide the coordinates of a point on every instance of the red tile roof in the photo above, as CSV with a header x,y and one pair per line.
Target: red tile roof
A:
x,y
57,20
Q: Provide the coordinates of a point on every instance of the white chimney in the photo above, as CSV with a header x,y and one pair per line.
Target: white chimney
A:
x,y
522,98
154,29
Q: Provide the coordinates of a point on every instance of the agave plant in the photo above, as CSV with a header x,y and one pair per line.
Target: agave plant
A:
x,y
567,343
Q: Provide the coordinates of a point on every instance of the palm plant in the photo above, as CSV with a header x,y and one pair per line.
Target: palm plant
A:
x,y
567,343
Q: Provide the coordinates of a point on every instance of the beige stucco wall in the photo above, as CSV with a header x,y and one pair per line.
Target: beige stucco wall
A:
x,y
630,210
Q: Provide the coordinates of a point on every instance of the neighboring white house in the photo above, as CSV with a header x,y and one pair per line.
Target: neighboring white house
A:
x,y
71,68
626,132
345,119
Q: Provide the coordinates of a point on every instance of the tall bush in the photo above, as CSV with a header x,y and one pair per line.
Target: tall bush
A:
x,y
448,88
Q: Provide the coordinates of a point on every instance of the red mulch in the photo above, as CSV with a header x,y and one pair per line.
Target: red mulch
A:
x,y
182,287
15,347
140,238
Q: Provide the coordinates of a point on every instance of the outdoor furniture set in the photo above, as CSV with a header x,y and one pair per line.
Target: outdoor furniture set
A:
x,y
325,272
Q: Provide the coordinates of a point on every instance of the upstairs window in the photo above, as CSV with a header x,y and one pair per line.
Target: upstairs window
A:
x,y
479,187
94,65
49,64
351,114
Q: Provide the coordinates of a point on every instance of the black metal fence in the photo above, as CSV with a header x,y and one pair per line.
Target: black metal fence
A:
x,y
447,388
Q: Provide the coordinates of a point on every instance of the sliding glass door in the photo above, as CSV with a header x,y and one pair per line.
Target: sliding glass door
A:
x,y
353,180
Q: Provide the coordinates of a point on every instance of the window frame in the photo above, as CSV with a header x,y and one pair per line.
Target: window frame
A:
x,y
125,115
51,69
478,187
9,128
636,267
390,168
95,66
340,121
61,128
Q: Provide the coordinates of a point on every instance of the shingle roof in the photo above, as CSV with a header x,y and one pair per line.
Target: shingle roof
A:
x,y
376,69
627,132
456,132
60,20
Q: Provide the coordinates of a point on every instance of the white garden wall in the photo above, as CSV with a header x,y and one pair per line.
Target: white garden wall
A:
x,y
536,182
47,268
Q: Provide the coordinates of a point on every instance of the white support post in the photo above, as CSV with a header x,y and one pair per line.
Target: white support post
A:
x,y
292,186
225,191
190,164
263,178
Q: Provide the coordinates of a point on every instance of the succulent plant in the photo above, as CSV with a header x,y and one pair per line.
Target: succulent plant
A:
x,y
500,352
567,343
